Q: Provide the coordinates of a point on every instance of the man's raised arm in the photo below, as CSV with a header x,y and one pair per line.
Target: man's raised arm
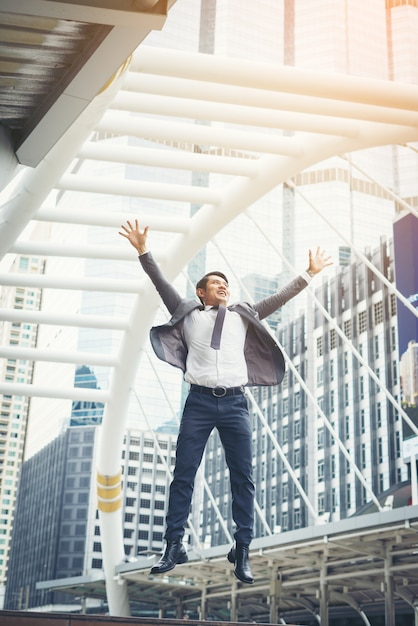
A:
x,y
138,239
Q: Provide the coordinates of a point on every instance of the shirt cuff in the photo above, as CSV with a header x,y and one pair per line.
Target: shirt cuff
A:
x,y
306,277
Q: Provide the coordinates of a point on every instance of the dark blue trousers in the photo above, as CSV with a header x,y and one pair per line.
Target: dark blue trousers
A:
x,y
202,413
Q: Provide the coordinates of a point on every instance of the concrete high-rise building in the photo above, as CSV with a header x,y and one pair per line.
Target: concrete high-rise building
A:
x,y
409,374
56,534
344,397
14,408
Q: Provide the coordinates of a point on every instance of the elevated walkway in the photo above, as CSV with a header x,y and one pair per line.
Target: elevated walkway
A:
x,y
365,565
23,618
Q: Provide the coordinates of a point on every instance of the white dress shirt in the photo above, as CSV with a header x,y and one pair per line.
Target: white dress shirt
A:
x,y
206,366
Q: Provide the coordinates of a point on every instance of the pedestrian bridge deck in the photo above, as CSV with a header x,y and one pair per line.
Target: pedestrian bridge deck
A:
x,y
26,618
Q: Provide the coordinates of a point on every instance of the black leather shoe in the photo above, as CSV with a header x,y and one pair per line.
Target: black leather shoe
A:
x,y
174,554
238,555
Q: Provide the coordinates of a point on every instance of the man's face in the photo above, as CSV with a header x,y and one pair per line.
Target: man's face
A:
x,y
216,291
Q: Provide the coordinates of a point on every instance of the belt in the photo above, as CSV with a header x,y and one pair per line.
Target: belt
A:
x,y
218,392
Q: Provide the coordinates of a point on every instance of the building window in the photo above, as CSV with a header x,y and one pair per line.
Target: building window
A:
x,y
320,376
392,304
285,407
347,329
96,563
361,387
395,372
321,471
347,426
398,444
345,362
378,313
319,346
348,495
363,456
362,322
376,346
334,499
346,395
285,491
379,414
332,338
81,514
285,436
284,520
380,450
333,466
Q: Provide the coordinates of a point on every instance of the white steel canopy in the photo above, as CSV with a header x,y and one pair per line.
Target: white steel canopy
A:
x,y
258,125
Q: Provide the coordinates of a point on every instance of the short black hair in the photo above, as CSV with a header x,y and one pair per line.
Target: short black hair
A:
x,y
201,284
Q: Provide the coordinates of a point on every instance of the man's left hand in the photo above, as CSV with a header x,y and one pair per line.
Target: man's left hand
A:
x,y
318,261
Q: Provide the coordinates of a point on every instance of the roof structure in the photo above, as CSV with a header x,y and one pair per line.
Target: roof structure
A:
x,y
365,563
55,57
257,124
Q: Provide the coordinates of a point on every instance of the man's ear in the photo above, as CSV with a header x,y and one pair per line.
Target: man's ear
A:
x,y
200,293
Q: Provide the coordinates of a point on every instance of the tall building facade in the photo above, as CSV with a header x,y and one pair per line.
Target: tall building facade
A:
x,y
328,400
14,409
56,534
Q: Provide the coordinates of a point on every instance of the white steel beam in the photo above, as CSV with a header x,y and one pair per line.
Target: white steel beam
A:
x,y
89,217
173,159
58,356
71,393
60,319
233,114
134,189
274,77
45,248
267,98
155,129
48,281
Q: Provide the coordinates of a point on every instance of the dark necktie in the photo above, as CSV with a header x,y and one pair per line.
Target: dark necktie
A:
x,y
215,342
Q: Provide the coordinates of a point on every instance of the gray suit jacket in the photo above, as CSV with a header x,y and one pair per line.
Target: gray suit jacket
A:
x,y
265,361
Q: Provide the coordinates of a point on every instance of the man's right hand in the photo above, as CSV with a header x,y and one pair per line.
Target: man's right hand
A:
x,y
135,236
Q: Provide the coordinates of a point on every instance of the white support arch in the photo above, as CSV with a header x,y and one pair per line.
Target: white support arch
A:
x,y
327,114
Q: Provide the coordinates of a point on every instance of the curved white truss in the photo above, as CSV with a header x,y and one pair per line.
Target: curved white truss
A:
x,y
309,116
